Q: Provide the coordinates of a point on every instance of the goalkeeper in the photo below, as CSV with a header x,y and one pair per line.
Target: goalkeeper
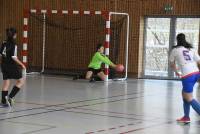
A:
x,y
94,71
94,68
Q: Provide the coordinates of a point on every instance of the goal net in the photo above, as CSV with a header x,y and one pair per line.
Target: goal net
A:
x,y
65,44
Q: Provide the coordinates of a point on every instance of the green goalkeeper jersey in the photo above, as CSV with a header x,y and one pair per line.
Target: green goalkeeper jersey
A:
x,y
98,59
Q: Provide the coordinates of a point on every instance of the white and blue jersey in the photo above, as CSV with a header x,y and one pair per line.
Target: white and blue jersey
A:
x,y
186,59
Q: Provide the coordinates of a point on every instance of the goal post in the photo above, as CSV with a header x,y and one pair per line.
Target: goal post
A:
x,y
126,43
43,16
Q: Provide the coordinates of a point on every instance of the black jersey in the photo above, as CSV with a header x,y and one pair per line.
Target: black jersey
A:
x,y
8,51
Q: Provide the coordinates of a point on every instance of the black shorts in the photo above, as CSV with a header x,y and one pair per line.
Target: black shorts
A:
x,y
11,72
95,71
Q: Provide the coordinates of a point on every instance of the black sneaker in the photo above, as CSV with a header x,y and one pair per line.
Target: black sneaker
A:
x,y
4,105
92,80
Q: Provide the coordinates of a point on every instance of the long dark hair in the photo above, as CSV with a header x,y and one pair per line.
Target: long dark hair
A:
x,y
181,41
10,32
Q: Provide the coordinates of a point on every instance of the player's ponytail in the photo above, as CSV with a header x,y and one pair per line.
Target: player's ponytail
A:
x,y
10,32
181,41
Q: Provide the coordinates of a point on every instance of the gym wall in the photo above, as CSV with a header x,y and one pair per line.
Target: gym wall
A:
x,y
11,14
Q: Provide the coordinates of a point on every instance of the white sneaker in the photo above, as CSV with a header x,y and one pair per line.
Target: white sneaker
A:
x,y
7,101
10,101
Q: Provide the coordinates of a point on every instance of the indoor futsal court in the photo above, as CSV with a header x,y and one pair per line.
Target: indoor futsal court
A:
x,y
100,66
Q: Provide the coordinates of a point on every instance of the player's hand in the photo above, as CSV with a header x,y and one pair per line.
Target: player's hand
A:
x,y
178,74
113,65
23,66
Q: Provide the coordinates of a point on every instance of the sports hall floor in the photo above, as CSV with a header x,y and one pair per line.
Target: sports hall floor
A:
x,y
58,105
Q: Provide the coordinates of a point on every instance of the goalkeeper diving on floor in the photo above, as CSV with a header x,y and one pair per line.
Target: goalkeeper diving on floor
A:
x,y
95,71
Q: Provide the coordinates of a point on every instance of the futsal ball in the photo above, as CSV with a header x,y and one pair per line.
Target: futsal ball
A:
x,y
120,68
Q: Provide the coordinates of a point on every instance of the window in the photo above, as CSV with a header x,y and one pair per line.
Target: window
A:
x,y
160,36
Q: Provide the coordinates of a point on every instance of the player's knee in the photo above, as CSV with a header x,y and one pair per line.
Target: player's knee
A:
x,y
6,84
188,97
87,77
103,77
20,82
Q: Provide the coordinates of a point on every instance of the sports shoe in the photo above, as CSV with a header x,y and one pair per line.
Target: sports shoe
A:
x,y
12,101
92,80
4,105
183,120
9,101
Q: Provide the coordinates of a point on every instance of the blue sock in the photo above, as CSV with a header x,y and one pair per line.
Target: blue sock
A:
x,y
195,105
186,108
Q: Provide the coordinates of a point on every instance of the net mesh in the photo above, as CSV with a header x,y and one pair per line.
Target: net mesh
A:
x,y
70,42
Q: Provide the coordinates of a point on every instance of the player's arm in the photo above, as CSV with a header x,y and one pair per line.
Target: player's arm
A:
x,y
173,63
18,62
15,58
111,63
198,62
1,49
174,68
106,60
197,58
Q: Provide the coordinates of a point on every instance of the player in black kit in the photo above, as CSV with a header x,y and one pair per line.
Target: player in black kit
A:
x,y
10,67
